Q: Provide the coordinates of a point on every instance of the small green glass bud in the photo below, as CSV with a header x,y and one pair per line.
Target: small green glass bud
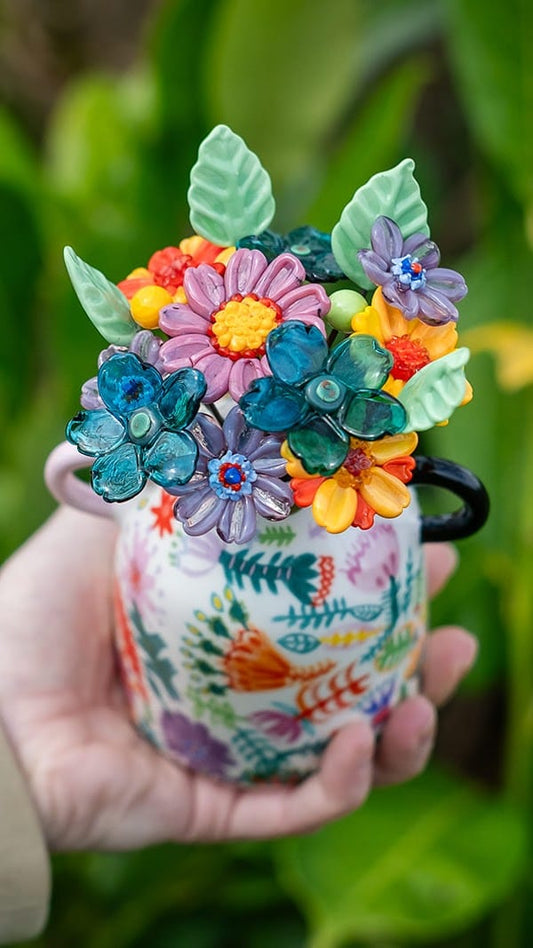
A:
x,y
344,305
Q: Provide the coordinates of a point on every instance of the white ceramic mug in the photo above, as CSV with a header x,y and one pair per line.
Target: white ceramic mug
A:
x,y
242,661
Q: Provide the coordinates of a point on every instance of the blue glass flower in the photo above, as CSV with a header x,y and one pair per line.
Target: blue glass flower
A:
x,y
322,398
139,433
311,246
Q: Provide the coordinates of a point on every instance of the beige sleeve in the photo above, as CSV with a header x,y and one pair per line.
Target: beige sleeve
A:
x,y
24,863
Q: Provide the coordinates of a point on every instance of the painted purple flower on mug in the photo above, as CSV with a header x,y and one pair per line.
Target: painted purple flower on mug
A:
x,y
194,743
377,705
238,476
408,272
223,326
144,345
374,557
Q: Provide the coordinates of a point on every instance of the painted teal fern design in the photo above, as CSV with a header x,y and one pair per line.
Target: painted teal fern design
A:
x,y
392,598
335,611
280,536
159,670
297,573
264,760
394,650
299,642
409,581
218,712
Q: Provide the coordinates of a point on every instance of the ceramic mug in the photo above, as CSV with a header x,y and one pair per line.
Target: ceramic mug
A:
x,y
241,661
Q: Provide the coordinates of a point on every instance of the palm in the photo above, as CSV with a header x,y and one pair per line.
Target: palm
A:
x,y
97,784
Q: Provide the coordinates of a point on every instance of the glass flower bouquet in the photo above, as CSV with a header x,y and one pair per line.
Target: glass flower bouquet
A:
x,y
269,581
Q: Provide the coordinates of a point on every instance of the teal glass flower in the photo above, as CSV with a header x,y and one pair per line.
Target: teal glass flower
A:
x,y
311,246
139,434
321,398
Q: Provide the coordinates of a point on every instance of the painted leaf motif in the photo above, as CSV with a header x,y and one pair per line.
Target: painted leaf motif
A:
x,y
433,393
395,194
231,193
299,642
105,305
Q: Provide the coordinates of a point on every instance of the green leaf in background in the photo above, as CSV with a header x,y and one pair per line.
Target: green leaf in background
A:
x,y
491,47
434,392
395,194
282,74
230,194
418,861
381,123
105,305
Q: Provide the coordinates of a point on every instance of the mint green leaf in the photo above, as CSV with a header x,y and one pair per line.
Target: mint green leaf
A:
x,y
419,861
393,194
230,194
105,305
435,391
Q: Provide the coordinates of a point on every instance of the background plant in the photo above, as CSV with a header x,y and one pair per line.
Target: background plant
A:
x,y
326,95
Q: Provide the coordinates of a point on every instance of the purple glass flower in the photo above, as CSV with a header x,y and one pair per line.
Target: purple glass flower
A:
x,y
238,476
408,272
144,344
195,744
223,327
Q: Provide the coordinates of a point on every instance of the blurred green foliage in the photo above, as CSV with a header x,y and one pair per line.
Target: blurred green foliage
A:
x,y
326,94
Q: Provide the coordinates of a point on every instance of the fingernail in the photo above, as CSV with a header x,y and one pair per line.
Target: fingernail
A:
x,y
471,648
424,746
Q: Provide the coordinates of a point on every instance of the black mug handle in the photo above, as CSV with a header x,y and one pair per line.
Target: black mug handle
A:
x,y
470,517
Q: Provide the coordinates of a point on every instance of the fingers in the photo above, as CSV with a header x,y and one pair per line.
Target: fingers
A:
x,y
341,785
406,742
441,562
450,652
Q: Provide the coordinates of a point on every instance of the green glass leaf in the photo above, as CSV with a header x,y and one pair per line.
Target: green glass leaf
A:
x,y
105,305
321,446
394,194
371,414
434,392
230,194
418,862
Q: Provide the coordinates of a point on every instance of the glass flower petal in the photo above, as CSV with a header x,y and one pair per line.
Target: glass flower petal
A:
x,y
95,432
360,362
272,406
321,447
118,475
182,392
370,415
171,460
295,352
125,384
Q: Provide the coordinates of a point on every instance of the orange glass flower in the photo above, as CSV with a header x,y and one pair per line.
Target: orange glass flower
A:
x,y
371,481
412,343
150,288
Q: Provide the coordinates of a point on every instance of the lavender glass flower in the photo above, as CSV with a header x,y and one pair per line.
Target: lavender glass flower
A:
x,y
194,743
238,476
408,272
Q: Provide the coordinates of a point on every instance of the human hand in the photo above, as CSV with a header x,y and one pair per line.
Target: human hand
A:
x,y
96,783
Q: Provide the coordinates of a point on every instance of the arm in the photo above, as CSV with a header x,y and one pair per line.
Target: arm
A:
x,y
24,866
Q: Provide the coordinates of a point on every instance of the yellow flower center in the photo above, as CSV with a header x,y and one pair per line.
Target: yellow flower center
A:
x,y
358,461
240,327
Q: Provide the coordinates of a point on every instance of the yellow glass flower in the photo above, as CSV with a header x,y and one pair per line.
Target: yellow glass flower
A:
x,y
412,343
371,481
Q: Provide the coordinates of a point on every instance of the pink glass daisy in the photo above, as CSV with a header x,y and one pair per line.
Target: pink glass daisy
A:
x,y
222,329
